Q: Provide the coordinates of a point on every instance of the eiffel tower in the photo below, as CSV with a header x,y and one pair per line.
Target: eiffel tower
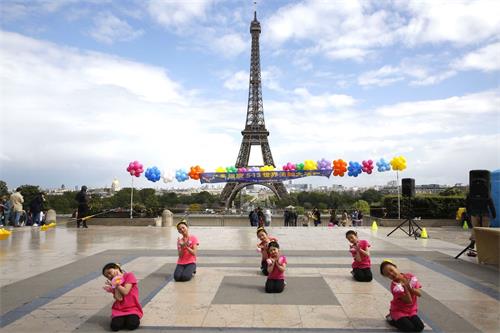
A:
x,y
255,132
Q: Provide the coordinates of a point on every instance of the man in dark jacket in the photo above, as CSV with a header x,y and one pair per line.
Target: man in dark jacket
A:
x,y
83,207
254,218
36,207
316,217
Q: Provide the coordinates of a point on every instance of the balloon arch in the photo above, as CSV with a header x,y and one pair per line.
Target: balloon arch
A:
x,y
267,173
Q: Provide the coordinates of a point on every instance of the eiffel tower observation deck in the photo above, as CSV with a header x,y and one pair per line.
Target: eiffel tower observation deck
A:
x,y
255,132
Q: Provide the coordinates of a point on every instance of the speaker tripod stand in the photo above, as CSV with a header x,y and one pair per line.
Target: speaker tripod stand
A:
x,y
413,227
472,244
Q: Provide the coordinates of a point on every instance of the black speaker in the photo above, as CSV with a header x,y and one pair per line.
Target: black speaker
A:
x,y
479,192
408,187
479,184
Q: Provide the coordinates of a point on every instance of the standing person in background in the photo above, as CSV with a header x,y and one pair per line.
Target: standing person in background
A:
x,y
268,217
316,217
261,216
344,219
286,217
17,201
82,198
294,217
5,206
36,208
254,218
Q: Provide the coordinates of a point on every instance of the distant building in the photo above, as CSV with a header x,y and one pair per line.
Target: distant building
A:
x,y
115,186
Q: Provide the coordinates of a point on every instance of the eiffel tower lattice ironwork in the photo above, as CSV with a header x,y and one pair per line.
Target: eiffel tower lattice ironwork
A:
x,y
255,132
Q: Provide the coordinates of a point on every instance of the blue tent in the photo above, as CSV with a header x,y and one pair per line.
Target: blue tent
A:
x,y
495,194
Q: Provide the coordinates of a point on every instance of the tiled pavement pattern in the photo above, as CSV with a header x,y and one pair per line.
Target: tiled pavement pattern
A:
x,y
51,282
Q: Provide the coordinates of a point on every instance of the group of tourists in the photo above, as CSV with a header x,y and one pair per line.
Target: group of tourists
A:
x,y
13,212
127,311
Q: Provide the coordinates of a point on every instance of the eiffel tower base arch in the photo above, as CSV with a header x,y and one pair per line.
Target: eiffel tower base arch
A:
x,y
232,189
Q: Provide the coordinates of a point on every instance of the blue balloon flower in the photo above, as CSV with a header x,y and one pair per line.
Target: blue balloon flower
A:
x,y
181,175
354,169
383,165
153,174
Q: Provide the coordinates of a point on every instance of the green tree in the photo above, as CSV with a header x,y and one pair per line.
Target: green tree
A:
x,y
122,197
148,197
371,196
169,199
4,190
363,206
29,192
62,204
452,191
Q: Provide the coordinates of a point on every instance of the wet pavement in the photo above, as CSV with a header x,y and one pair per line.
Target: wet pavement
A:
x,y
51,281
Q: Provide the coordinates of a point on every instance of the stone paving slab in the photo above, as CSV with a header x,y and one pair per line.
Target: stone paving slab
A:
x,y
298,291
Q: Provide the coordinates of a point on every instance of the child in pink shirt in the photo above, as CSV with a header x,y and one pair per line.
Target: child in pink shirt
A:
x,y
276,266
361,264
186,247
262,248
405,289
126,311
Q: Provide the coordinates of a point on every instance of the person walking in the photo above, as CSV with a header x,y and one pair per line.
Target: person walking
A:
x,y
36,208
17,201
82,198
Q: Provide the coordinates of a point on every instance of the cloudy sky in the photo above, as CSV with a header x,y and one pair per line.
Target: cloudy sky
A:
x,y
88,86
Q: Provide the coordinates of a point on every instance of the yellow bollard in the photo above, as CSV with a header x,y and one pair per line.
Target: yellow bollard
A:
x,y
374,226
424,233
465,226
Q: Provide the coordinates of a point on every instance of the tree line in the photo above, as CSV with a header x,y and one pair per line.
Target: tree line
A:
x,y
148,203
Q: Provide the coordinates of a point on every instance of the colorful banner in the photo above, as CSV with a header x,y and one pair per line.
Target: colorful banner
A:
x,y
260,176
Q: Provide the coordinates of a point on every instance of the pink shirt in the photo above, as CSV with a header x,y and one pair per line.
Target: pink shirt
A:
x,y
399,308
276,274
365,260
263,247
186,257
130,303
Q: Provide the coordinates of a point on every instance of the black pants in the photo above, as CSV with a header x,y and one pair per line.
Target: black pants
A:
x,y
408,324
83,211
275,286
263,267
129,322
184,272
362,274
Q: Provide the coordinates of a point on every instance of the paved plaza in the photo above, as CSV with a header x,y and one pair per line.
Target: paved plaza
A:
x,y
51,281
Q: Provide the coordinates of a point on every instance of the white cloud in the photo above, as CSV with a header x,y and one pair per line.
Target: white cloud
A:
x,y
230,45
109,29
89,114
460,22
340,30
381,77
461,131
323,101
355,29
415,71
237,81
486,59
178,13
472,104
